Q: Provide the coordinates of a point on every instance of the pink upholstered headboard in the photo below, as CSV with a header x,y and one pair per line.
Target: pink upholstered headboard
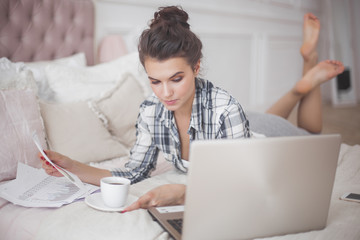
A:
x,y
34,30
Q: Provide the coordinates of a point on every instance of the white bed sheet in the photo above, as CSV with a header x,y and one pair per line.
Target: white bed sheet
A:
x,y
78,221
20,223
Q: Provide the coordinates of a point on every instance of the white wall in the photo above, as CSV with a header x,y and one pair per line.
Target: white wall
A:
x,y
343,44
355,43
251,48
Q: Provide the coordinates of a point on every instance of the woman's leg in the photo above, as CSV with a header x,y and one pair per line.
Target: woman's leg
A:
x,y
306,92
303,92
309,112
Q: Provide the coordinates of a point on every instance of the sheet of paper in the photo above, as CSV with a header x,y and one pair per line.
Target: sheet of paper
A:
x,y
34,188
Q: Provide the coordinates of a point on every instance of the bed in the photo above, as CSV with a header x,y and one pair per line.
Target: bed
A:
x,y
63,93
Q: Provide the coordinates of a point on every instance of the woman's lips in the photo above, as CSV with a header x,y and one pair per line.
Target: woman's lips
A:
x,y
171,102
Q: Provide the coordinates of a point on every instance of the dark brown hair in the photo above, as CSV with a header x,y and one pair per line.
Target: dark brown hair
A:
x,y
170,36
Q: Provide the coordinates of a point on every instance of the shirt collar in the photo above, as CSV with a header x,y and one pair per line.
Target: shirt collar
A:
x,y
196,113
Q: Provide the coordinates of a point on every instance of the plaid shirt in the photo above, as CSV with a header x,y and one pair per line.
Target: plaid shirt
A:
x,y
215,115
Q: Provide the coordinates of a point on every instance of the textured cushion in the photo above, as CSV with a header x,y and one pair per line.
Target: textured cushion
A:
x,y
15,76
119,108
46,29
72,84
20,117
75,131
45,92
78,84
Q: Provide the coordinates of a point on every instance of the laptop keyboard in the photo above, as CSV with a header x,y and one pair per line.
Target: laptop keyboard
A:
x,y
176,223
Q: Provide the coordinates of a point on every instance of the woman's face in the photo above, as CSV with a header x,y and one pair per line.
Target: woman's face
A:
x,y
173,82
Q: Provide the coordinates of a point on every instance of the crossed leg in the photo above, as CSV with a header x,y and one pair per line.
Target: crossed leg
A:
x,y
306,91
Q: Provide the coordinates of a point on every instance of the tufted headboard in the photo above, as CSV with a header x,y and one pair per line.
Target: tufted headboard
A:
x,y
34,30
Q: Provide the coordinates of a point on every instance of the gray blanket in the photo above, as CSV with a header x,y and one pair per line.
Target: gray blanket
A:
x,y
273,126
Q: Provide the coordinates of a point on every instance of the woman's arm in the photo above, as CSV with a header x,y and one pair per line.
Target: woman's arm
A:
x,y
234,123
143,155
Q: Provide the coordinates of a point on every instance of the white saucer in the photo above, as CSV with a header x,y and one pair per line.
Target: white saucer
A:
x,y
95,201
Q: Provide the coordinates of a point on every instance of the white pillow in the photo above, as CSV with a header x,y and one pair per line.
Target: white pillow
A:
x,y
84,83
119,109
38,70
15,76
76,60
74,130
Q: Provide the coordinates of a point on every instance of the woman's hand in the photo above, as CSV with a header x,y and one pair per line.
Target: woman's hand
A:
x,y
59,160
165,195
85,172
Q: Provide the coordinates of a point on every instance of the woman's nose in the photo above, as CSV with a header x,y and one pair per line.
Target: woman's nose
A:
x,y
167,90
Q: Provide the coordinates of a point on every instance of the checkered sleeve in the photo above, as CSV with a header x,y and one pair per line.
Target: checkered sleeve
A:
x,y
234,123
143,155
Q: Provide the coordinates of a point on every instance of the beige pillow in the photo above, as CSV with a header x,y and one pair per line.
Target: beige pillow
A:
x,y
119,108
74,130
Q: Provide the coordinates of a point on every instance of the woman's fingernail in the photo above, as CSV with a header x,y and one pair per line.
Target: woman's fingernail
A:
x,y
42,158
44,152
47,163
124,211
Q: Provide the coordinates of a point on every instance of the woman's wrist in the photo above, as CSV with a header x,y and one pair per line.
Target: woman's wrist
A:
x,y
90,174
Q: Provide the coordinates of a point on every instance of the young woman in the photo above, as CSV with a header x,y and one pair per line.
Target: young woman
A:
x,y
182,109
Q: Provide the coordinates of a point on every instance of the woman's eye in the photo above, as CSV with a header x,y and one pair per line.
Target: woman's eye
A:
x,y
178,79
155,82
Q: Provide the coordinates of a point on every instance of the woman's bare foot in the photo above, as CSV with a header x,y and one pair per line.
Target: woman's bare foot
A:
x,y
311,29
319,74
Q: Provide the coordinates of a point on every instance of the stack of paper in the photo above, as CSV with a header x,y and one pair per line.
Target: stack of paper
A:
x,y
34,188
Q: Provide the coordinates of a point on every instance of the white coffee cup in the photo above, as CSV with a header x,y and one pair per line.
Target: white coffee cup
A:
x,y
114,191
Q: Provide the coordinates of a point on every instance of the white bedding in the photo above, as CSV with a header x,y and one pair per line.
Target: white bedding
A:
x,y
78,221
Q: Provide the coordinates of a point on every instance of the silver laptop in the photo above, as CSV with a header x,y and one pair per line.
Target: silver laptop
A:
x,y
252,188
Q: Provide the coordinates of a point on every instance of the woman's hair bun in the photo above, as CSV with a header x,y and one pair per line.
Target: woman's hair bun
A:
x,y
170,16
170,36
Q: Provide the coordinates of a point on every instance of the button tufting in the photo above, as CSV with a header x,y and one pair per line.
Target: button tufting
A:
x,y
45,24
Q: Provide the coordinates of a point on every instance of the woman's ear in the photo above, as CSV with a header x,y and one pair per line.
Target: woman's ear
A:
x,y
197,68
